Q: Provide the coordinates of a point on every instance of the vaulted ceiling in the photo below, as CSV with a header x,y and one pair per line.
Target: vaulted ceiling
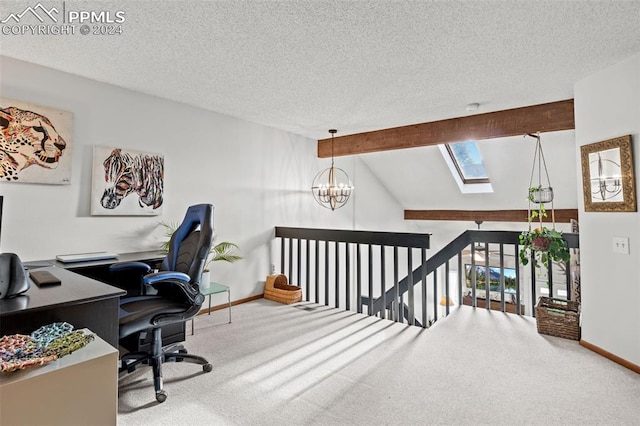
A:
x,y
306,66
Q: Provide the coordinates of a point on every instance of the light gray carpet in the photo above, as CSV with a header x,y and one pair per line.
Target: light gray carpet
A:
x,y
307,364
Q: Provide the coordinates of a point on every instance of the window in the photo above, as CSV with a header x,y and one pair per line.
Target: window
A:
x,y
468,162
465,163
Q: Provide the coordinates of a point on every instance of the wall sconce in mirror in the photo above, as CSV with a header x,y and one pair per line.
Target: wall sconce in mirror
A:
x,y
607,176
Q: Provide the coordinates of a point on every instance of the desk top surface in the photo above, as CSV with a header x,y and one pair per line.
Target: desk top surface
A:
x,y
74,288
139,256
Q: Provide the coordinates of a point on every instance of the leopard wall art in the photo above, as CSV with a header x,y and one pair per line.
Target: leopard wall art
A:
x,y
27,139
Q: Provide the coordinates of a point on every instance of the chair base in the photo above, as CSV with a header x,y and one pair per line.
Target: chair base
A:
x,y
155,359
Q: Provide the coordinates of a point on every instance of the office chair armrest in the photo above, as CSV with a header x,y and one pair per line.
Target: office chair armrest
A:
x,y
128,266
175,281
165,276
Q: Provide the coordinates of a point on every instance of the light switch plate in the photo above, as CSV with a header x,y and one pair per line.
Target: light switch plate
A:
x,y
621,245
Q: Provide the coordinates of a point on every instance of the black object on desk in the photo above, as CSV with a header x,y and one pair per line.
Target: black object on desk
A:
x,y
44,278
13,278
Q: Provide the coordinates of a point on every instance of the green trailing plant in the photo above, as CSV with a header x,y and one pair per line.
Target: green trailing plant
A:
x,y
546,244
222,252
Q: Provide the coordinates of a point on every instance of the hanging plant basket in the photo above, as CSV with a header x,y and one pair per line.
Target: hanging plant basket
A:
x,y
544,244
541,244
541,195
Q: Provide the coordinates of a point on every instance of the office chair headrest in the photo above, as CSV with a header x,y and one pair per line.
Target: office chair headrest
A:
x,y
13,277
199,215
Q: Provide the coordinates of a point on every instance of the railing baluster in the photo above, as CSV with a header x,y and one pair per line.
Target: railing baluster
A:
x,y
282,255
411,316
317,271
503,307
568,277
533,285
473,275
307,271
326,273
347,258
299,264
423,272
290,259
396,296
383,312
460,275
435,294
370,289
359,278
337,275
487,277
446,287
550,276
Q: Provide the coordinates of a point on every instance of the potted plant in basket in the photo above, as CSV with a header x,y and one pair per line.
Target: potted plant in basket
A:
x,y
225,251
541,244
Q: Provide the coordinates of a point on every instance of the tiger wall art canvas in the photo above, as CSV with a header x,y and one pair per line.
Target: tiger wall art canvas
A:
x,y
35,143
126,182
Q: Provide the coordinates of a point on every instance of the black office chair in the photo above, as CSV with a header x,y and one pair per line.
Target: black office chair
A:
x,y
177,299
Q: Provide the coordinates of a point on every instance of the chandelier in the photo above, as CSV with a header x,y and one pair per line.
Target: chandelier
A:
x,y
331,187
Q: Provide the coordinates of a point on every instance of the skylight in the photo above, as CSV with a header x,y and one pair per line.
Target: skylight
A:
x,y
464,160
468,162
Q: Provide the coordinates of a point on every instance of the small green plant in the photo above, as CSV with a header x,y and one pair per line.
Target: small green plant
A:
x,y
225,252
546,244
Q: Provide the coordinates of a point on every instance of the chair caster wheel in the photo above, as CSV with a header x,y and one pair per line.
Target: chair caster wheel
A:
x,y
161,396
207,368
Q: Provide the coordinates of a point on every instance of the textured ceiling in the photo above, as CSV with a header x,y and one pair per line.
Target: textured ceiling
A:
x,y
307,66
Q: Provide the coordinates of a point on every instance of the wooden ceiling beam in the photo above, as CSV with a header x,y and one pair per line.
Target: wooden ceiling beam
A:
x,y
549,117
561,215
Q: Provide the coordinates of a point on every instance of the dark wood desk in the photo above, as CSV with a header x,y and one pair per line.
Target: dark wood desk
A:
x,y
87,298
80,301
131,283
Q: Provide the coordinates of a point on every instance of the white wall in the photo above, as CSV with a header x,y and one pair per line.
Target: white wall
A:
x,y
256,177
607,105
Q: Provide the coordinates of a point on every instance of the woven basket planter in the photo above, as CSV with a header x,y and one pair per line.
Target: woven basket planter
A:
x,y
277,288
541,195
557,317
